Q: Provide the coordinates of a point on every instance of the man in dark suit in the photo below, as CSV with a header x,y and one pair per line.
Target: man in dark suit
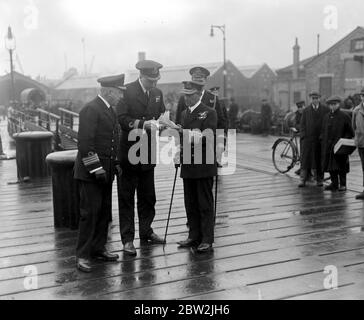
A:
x,y
198,168
311,125
142,106
95,168
200,75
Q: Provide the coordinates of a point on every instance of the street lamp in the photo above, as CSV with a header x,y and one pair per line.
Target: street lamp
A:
x,y
10,44
222,29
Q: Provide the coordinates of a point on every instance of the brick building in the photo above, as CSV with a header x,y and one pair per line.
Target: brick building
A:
x,y
260,85
338,70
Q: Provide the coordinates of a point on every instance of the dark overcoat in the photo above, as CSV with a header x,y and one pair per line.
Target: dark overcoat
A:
x,y
138,108
336,125
98,134
311,126
202,118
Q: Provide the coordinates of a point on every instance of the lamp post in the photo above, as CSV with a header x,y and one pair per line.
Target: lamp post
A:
x,y
10,45
223,30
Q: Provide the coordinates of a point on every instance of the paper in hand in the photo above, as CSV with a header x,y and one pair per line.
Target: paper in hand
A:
x,y
164,120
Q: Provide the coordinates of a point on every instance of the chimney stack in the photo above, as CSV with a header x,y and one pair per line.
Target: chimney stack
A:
x,y
141,56
296,59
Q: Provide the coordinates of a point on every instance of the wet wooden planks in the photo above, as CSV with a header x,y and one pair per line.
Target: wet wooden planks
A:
x,y
273,241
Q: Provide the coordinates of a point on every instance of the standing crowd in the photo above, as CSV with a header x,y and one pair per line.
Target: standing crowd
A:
x,y
321,128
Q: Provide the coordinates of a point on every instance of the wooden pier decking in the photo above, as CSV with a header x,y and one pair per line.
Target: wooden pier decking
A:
x,y
273,241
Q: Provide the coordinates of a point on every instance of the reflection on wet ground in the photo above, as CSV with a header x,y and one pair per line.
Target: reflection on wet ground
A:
x,y
273,241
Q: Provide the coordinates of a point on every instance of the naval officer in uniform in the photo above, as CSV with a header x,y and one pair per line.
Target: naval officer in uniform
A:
x,y
143,105
95,168
200,75
199,123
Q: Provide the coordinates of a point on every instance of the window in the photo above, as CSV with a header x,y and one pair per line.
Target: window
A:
x,y
357,45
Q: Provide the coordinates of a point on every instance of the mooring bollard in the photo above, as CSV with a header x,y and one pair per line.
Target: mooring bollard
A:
x,y
65,189
31,151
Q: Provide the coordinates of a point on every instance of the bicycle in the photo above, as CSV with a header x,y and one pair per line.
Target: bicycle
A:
x,y
286,152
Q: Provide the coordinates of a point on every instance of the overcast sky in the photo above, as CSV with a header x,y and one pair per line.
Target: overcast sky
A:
x,y
173,32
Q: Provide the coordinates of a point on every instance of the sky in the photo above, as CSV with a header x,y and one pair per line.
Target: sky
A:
x,y
49,33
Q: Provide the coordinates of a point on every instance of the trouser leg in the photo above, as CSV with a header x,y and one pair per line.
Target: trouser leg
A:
x,y
126,192
342,176
146,202
191,200
90,208
103,219
334,176
206,209
303,175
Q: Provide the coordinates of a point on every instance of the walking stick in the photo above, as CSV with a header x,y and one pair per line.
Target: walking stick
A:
x,y
170,208
217,180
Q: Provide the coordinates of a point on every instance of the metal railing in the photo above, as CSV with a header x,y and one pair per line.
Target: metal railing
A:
x,y
48,120
69,119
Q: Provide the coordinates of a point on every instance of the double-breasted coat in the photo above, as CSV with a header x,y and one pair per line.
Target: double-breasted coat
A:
x,y
137,108
98,139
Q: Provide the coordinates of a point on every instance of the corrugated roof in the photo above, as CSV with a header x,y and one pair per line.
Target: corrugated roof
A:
x,y
175,74
79,82
249,71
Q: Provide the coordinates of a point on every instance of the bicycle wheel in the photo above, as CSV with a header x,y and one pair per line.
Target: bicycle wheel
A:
x,y
284,155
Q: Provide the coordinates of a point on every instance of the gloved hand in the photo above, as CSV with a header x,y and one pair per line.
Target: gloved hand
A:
x,y
101,176
177,158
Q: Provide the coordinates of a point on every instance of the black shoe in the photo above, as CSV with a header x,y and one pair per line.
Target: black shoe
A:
x,y
84,265
319,183
188,243
204,247
331,187
360,196
129,249
342,188
153,239
106,256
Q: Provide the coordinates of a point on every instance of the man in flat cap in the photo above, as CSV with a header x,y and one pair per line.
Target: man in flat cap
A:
x,y
200,75
358,126
142,108
336,125
311,126
95,168
200,122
